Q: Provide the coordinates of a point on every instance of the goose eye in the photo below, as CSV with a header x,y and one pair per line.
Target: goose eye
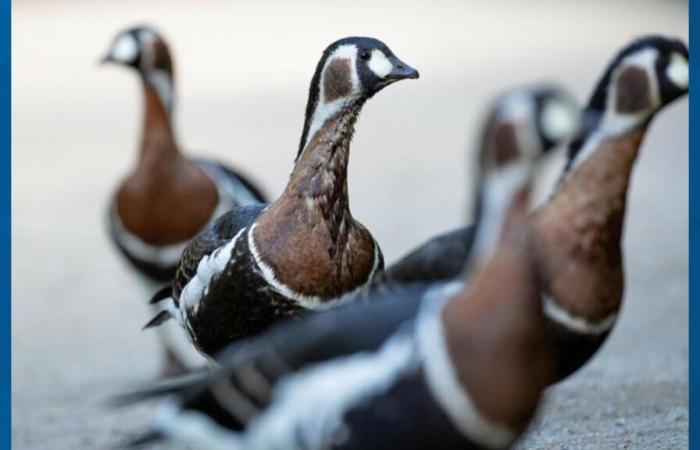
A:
x,y
365,55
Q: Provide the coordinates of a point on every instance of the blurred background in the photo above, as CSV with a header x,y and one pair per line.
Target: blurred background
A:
x,y
242,74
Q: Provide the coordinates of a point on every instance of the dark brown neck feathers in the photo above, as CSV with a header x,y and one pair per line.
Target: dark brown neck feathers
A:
x,y
157,139
319,178
577,234
495,329
308,235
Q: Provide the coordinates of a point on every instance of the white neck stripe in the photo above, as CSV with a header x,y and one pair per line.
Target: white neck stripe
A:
x,y
578,325
312,302
324,110
442,378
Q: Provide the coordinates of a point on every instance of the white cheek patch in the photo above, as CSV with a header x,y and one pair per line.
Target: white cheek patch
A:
x,y
380,64
125,49
558,120
677,71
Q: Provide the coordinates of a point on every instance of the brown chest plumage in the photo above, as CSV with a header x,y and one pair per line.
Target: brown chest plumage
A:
x,y
307,257
577,235
166,205
497,324
167,198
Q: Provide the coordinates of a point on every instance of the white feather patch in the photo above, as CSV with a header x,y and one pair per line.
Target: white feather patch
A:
x,y
307,301
578,325
309,406
380,64
325,110
559,120
125,49
442,378
160,81
208,267
193,428
498,191
677,71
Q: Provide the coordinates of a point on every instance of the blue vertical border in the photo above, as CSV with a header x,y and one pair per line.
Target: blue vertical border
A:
x,y
5,223
694,274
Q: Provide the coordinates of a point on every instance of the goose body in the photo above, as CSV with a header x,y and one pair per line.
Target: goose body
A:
x,y
424,365
167,197
577,234
305,251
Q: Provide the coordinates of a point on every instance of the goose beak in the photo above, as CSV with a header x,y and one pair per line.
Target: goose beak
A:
x,y
400,70
106,59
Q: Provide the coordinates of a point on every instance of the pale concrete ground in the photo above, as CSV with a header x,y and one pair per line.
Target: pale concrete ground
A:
x,y
243,71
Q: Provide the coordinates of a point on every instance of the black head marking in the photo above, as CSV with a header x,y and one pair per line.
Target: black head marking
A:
x,y
668,91
150,51
369,82
665,47
549,112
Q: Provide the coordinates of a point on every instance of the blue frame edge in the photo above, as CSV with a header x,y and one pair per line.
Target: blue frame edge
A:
x,y
6,222
694,238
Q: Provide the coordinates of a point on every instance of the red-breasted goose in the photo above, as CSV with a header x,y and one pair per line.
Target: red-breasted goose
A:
x,y
305,251
167,197
429,366
578,232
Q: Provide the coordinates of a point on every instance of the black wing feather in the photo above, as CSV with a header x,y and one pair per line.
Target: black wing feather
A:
x,y
246,182
442,258
214,236
241,388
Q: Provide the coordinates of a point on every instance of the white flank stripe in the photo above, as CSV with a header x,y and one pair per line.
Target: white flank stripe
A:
x,y
309,406
312,302
442,379
208,267
576,324
193,428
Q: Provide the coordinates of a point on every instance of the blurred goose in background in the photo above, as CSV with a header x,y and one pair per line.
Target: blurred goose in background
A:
x,y
431,365
167,197
305,251
577,234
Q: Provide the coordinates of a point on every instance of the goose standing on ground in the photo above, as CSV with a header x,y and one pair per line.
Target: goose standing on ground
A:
x,y
428,366
167,198
305,251
578,233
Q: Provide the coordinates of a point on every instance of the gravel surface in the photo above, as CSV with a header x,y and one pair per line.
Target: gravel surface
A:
x,y
243,71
